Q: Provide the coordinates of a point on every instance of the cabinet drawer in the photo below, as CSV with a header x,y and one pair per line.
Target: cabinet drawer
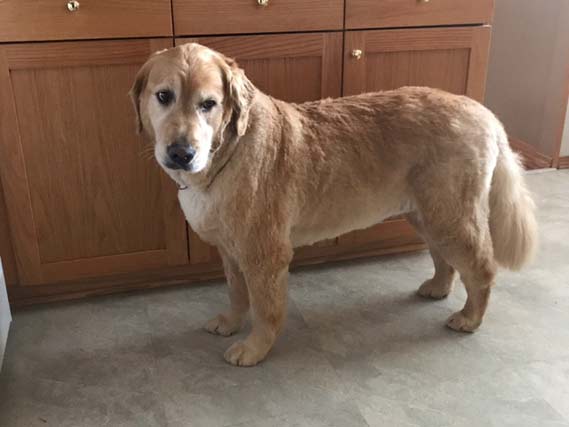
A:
x,y
291,67
83,19
415,13
197,17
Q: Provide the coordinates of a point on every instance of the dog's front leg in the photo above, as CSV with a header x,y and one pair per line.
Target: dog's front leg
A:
x,y
230,322
267,280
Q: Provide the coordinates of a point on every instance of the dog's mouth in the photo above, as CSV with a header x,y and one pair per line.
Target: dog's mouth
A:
x,y
175,166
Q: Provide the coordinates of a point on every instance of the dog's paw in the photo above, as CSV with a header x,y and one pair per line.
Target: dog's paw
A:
x,y
434,290
459,322
241,354
222,325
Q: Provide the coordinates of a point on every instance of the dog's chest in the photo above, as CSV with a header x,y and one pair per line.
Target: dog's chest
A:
x,y
199,210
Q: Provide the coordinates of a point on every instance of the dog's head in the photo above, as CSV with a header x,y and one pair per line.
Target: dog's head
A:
x,y
188,100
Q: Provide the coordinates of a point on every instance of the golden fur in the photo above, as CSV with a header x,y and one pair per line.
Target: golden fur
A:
x,y
280,175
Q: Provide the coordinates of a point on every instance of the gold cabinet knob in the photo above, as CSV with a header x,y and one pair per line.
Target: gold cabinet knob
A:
x,y
72,5
424,1
357,53
263,2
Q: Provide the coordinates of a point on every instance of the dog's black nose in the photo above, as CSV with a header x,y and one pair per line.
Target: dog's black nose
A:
x,y
180,154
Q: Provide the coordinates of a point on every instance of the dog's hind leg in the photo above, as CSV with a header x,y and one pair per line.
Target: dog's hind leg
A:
x,y
454,210
465,243
228,323
472,255
440,285
266,275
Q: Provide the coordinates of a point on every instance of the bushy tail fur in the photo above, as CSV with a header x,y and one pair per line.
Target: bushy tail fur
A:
x,y
512,211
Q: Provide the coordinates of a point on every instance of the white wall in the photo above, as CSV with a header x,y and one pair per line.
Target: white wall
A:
x,y
528,69
5,316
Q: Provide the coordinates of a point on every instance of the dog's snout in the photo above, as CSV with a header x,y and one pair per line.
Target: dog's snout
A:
x,y
181,154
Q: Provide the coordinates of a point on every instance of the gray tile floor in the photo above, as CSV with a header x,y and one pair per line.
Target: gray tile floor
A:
x,y
360,349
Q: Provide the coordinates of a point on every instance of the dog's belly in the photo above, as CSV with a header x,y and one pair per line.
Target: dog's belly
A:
x,y
331,217
332,221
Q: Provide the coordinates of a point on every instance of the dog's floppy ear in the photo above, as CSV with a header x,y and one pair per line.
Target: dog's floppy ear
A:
x,y
136,91
239,95
138,86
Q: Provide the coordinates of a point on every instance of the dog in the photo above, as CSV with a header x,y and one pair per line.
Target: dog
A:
x,y
259,177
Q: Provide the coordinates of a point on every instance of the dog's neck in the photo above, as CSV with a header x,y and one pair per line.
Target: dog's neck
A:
x,y
220,159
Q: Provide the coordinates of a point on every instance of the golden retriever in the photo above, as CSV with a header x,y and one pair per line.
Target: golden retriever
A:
x,y
259,176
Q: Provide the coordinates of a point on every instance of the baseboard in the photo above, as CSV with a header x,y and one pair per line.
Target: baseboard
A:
x,y
531,158
564,162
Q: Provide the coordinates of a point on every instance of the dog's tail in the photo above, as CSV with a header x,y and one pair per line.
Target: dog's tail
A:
x,y
512,211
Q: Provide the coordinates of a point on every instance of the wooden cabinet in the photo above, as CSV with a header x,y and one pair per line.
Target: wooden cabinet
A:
x,y
452,59
84,19
293,67
249,16
82,198
416,13
84,208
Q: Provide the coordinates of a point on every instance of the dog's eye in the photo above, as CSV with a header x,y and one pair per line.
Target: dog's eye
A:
x,y
207,105
165,97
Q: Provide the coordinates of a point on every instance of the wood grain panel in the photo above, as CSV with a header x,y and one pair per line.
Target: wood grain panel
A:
x,y
14,181
92,206
82,200
204,17
416,13
95,19
391,233
478,63
27,56
292,67
452,59
442,69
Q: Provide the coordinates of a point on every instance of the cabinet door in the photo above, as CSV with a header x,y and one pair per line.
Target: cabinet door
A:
x,y
292,67
83,199
452,59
